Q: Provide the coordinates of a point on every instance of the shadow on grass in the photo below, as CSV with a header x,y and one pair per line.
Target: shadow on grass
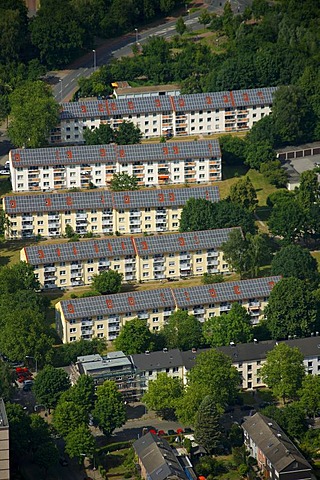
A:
x,y
231,171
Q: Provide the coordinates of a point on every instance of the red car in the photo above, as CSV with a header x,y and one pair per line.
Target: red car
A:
x,y
161,432
22,370
179,431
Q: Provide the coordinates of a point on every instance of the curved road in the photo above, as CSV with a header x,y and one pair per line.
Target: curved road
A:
x,y
65,82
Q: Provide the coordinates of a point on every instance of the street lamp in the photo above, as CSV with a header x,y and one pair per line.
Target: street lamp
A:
x,y
29,356
94,60
60,80
137,35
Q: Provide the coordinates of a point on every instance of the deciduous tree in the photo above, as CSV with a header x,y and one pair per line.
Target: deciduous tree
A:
x,y
123,181
34,113
68,416
101,135
182,331
49,385
284,371
127,134
80,443
244,194
291,309
287,220
295,261
309,394
107,282
109,411
134,337
181,27
235,326
258,153
163,393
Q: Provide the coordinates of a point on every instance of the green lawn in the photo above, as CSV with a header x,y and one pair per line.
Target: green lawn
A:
x,y
316,255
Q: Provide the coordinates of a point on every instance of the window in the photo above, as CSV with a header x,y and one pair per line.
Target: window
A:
x,y
145,274
73,330
145,265
90,269
100,326
100,335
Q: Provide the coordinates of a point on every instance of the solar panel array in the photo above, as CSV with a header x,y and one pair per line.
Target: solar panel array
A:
x,y
197,101
182,297
77,251
118,303
178,242
91,154
60,202
224,292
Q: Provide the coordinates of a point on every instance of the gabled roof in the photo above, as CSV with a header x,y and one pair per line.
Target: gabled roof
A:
x,y
109,154
225,292
158,458
78,251
166,297
197,101
274,443
102,199
158,360
179,242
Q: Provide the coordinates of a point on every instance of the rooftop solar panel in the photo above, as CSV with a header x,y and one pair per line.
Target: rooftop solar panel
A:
x,y
197,101
79,155
181,297
78,251
178,242
60,202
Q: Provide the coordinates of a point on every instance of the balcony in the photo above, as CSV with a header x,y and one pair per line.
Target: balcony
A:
x,y
27,226
50,277
86,332
158,260
160,222
53,217
212,263
167,313
254,305
81,216
212,254
53,233
76,266
159,276
185,256
128,261
198,311
135,214
225,308
129,278
49,269
143,315
27,218
158,268
113,329
114,318
161,229
104,263
135,230
87,323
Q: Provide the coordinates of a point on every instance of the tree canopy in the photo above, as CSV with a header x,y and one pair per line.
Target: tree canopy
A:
x,y
284,371
235,327
243,193
134,337
207,431
295,261
34,113
182,331
291,309
123,181
109,411
49,385
107,282
163,393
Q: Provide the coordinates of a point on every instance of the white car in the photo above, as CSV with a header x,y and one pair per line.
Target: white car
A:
x,y
4,172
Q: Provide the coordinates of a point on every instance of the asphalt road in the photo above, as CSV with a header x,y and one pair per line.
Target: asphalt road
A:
x,y
65,82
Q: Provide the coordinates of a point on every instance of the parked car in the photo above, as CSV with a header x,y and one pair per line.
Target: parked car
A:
x,y
180,431
27,388
28,382
171,432
161,432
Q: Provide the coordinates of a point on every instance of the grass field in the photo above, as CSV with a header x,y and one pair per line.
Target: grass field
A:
x,y
316,255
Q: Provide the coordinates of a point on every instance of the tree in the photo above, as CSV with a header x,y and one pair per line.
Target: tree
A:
x,y
232,149
57,33
101,135
49,385
214,375
204,18
309,189
309,395
291,418
44,450
258,153
107,282
226,214
287,220
19,276
284,371
46,456
212,278
207,429
235,326
80,442
181,27
291,309
109,411
19,431
293,119
182,331
163,393
68,416
197,214
134,337
123,181
295,261
34,113
245,255
82,394
127,134
6,380
274,173
243,193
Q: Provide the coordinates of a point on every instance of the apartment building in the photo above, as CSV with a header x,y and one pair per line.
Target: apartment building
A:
x,y
172,256
124,90
99,211
115,366
195,114
4,443
273,450
103,316
43,169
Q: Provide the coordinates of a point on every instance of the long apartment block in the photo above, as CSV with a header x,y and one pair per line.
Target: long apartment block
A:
x,y
195,114
172,256
103,316
99,212
175,163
